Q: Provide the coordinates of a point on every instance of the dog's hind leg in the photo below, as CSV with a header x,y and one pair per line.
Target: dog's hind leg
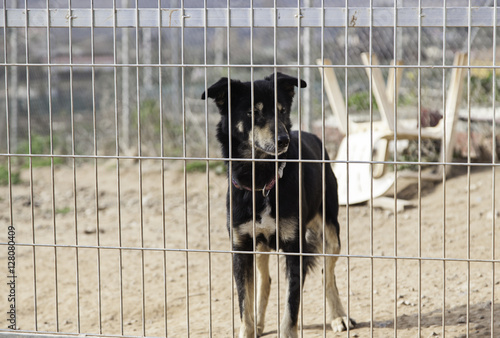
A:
x,y
337,317
263,290
244,278
288,327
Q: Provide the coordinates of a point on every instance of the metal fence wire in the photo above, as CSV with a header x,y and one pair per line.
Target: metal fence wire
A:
x,y
113,186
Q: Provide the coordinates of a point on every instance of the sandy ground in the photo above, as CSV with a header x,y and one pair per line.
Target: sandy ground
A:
x,y
116,291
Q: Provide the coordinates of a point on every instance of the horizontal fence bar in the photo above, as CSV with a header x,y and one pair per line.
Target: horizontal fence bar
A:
x,y
234,159
271,253
242,65
262,17
7,333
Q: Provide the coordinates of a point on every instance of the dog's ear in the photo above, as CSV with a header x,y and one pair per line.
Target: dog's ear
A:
x,y
287,83
218,91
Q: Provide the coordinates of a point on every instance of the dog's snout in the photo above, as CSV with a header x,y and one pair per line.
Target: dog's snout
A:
x,y
283,141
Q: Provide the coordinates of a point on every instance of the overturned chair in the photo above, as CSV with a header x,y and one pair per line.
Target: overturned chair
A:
x,y
360,163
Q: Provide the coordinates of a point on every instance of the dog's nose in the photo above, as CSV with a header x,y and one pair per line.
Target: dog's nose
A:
x,y
283,141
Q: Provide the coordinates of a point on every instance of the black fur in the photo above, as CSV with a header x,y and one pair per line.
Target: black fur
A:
x,y
234,132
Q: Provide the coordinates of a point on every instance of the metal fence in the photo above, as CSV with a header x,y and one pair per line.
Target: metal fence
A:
x,y
113,187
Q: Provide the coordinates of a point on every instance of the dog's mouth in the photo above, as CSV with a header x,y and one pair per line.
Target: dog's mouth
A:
x,y
271,145
270,149
269,140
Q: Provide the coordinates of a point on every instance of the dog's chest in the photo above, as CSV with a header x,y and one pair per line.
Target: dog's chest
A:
x,y
266,226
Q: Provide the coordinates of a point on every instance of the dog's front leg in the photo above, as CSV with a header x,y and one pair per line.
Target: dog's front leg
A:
x,y
244,278
288,325
264,288
338,317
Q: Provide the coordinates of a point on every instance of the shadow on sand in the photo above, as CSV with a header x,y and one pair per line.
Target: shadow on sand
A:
x,y
479,321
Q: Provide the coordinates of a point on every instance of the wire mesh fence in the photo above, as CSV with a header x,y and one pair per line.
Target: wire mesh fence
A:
x,y
113,187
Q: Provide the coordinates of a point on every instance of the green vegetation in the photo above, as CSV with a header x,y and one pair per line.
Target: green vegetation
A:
x,y
4,176
201,166
360,101
39,145
63,211
151,130
481,87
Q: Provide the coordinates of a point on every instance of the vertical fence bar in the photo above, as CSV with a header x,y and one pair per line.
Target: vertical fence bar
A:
x,y
96,168
370,95
52,169
162,170
117,153
140,165
230,160
254,211
493,170
468,221
347,209
7,126
395,126
276,174
207,170
30,160
275,63
184,155
73,153
444,169
324,164
419,173
301,173
395,189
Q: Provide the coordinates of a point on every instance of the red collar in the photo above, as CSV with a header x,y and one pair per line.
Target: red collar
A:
x,y
269,185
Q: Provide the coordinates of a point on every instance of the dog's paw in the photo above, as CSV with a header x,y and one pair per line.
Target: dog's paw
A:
x,y
340,324
260,330
246,332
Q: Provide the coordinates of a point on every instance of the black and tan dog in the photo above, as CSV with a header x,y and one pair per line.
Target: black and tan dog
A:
x,y
264,139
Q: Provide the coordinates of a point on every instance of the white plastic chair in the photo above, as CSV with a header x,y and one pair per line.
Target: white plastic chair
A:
x,y
360,181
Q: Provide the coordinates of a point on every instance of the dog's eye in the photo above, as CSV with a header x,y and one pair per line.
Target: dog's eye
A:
x,y
249,113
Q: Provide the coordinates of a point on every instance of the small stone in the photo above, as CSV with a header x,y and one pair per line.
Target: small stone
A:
x,y
489,215
92,230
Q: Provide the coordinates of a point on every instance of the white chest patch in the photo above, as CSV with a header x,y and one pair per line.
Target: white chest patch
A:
x,y
267,226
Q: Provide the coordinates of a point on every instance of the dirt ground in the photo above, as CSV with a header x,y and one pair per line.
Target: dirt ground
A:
x,y
115,291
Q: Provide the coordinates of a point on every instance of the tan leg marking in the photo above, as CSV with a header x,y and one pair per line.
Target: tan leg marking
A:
x,y
247,320
263,290
287,330
337,316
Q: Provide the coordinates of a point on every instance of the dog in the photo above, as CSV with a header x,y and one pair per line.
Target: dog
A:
x,y
267,142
